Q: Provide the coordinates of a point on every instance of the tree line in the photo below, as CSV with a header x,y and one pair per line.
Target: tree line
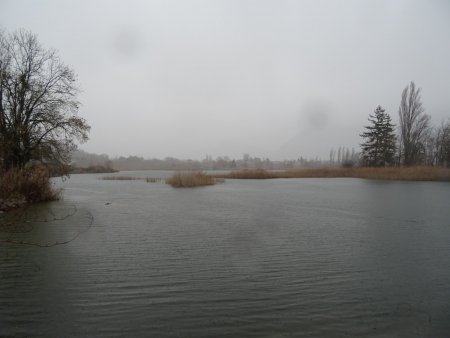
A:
x,y
91,162
414,142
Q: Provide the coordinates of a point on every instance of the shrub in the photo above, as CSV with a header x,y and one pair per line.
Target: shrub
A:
x,y
27,185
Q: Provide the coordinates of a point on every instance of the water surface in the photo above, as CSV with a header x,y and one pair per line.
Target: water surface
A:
x,y
273,258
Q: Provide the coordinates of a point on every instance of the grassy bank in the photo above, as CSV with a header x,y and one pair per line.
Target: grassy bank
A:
x,y
191,179
19,187
391,173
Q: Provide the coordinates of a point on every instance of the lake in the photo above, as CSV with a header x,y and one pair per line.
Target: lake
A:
x,y
244,258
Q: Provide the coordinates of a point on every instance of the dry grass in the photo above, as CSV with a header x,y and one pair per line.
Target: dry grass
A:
x,y
191,179
25,186
391,173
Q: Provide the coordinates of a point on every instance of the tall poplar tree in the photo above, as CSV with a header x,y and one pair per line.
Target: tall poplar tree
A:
x,y
414,126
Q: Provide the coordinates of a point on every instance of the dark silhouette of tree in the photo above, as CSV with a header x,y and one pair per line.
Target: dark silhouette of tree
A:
x,y
332,156
38,105
442,144
414,124
379,148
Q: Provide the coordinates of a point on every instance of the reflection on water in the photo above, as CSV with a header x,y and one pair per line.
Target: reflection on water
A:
x,y
299,257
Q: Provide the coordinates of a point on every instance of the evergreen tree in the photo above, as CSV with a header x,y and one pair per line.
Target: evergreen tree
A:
x,y
379,148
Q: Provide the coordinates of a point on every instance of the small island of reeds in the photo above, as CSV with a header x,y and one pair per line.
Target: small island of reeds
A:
x,y
131,178
191,179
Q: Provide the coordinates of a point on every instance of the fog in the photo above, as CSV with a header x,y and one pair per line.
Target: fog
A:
x,y
277,79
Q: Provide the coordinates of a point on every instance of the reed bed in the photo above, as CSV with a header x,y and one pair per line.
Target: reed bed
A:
x,y
131,178
389,173
120,178
405,173
191,179
251,174
199,178
153,180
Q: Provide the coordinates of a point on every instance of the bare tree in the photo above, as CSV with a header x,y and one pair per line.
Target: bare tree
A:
x,y
332,156
442,144
414,124
38,105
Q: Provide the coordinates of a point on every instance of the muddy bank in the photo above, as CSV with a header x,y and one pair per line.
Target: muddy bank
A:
x,y
11,203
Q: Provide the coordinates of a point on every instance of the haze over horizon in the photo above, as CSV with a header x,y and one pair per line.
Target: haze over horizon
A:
x,y
274,79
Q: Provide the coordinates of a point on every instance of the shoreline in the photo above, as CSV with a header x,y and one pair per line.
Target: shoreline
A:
x,y
427,174
439,174
9,204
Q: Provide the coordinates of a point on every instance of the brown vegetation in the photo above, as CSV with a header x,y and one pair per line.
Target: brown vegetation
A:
x,y
131,178
191,179
251,174
18,187
388,173
153,179
92,169
120,178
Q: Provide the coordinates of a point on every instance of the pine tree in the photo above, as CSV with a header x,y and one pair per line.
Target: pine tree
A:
x,y
379,148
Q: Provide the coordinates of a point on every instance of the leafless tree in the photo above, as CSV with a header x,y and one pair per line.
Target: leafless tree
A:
x,y
38,105
442,144
332,156
414,124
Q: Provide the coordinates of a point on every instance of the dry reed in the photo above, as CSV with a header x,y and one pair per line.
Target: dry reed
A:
x,y
18,187
388,173
251,174
120,178
191,179
131,178
153,179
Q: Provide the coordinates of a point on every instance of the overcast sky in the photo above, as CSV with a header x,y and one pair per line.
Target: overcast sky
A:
x,y
278,79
